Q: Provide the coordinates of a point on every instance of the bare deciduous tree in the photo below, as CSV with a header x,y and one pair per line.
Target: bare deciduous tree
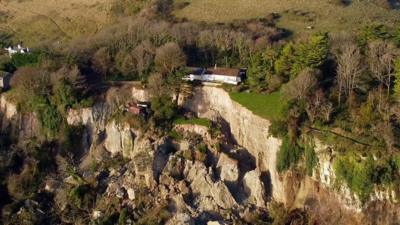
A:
x,y
299,87
144,56
381,57
349,69
169,57
102,61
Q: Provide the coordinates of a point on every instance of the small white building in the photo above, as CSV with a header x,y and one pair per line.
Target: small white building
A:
x,y
216,74
19,49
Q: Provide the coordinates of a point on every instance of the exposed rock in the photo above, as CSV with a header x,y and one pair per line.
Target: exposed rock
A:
x,y
228,168
131,194
140,94
97,214
7,108
254,188
95,117
248,130
208,190
174,167
181,219
119,139
214,223
194,128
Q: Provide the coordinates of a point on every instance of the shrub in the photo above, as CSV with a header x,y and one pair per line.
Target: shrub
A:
x,y
30,59
202,148
358,174
164,109
311,159
81,197
288,155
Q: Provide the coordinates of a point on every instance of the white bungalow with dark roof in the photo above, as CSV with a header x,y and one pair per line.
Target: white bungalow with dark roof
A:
x,y
216,74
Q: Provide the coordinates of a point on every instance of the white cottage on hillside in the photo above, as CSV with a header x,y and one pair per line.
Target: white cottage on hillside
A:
x,y
216,74
14,50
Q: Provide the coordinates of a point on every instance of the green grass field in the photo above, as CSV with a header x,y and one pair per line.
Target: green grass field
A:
x,y
268,106
38,21
296,15
194,121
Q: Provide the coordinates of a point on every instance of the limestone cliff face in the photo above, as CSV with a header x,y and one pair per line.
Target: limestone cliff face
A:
x,y
248,130
252,132
17,124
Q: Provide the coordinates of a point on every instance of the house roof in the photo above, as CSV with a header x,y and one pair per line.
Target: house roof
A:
x,y
223,71
195,70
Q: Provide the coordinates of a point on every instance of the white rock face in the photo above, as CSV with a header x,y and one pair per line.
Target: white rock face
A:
x,y
181,219
7,108
119,139
254,188
131,194
96,214
214,223
249,130
140,94
228,167
210,192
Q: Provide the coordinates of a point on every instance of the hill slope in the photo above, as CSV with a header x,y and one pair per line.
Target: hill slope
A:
x,y
296,15
39,20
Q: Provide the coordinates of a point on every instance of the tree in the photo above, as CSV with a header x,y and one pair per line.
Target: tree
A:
x,y
164,109
102,61
143,55
299,87
311,54
285,60
156,83
169,57
381,55
349,68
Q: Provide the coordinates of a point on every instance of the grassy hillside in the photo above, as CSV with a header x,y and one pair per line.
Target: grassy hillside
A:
x,y
35,21
268,106
296,15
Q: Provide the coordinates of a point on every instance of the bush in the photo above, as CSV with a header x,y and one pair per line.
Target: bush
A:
x,y
358,174
164,110
30,59
288,155
82,197
311,159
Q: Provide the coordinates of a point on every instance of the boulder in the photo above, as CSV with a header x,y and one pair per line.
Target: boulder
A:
x,y
254,188
131,194
181,219
174,167
203,185
228,168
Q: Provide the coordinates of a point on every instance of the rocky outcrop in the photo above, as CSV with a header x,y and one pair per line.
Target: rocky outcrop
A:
x,y
8,109
248,130
119,138
254,188
181,219
252,132
209,191
140,94
228,168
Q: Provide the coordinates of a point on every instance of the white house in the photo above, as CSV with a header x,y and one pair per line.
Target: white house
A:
x,y
19,49
216,74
